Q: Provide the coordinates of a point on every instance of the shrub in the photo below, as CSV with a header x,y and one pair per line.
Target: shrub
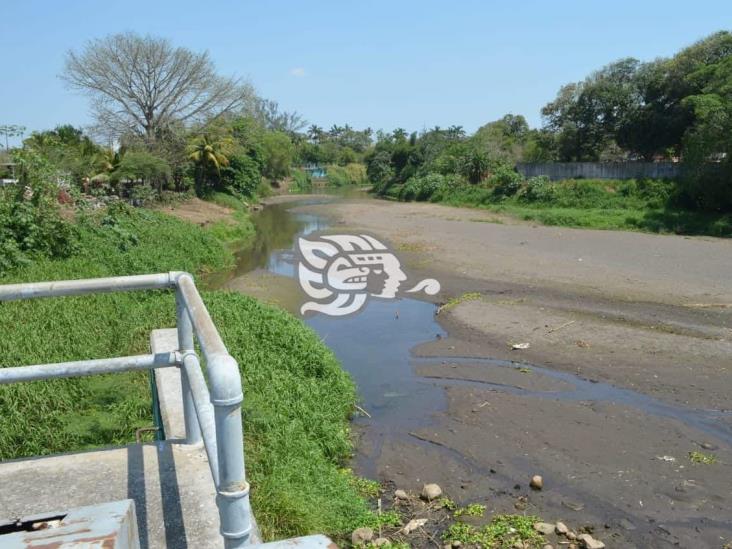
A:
x,y
423,187
351,174
379,169
505,181
708,187
142,166
475,165
301,181
31,225
241,176
537,189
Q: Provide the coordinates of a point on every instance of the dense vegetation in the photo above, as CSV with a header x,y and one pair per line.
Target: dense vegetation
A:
x,y
674,109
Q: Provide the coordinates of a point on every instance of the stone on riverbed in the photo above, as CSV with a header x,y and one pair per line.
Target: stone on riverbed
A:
x,y
545,528
588,542
431,491
400,494
362,536
537,483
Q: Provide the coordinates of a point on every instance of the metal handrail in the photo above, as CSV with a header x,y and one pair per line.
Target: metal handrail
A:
x,y
213,416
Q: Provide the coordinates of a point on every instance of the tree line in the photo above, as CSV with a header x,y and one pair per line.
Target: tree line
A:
x,y
677,109
172,123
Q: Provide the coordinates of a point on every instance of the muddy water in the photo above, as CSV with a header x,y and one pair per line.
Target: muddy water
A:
x,y
376,347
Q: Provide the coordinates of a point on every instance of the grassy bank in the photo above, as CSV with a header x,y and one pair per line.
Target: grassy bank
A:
x,y
297,398
637,205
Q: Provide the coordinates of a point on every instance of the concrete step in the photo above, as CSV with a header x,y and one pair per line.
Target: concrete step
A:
x,y
170,484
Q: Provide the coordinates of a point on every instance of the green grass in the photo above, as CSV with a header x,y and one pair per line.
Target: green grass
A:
x,y
237,230
472,510
297,397
502,532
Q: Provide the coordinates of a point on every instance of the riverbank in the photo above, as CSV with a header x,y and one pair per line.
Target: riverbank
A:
x,y
298,399
631,336
631,205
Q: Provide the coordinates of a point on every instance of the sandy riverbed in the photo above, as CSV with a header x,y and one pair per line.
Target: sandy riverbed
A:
x,y
648,313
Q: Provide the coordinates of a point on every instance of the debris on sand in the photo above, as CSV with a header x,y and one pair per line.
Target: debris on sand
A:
x,y
413,524
520,346
537,483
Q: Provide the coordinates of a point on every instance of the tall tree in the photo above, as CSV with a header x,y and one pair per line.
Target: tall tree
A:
x,y
141,84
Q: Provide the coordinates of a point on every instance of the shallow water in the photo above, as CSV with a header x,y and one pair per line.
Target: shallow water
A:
x,y
375,347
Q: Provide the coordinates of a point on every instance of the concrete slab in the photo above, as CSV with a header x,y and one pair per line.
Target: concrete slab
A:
x,y
168,384
111,526
170,484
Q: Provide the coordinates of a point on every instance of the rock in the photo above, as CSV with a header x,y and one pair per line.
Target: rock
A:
x,y
362,536
561,528
571,536
572,546
431,491
537,483
413,524
545,528
400,494
588,542
709,446
381,541
457,543
547,546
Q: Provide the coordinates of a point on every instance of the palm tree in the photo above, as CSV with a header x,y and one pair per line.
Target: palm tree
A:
x,y
315,133
209,156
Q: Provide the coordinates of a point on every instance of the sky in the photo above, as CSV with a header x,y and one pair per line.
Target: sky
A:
x,y
373,63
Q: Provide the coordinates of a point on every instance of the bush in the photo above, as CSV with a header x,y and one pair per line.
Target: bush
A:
x,y
505,181
708,187
301,181
31,225
241,176
351,174
424,187
537,189
142,166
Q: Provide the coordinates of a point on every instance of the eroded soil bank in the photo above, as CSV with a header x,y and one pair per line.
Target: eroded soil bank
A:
x,y
627,371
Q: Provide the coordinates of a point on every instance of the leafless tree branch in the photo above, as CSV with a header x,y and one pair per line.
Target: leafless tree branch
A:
x,y
142,84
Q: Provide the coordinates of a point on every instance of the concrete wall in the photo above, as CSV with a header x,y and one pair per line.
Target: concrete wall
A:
x,y
601,170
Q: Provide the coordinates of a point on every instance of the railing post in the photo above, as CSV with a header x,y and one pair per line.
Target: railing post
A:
x,y
185,343
233,491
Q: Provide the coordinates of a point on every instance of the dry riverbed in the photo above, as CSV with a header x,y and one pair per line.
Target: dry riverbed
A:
x,y
631,338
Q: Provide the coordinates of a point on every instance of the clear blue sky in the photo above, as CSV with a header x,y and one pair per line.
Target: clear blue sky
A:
x,y
383,64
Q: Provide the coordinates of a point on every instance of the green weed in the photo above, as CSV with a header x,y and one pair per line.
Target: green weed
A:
x,y
701,457
503,531
472,510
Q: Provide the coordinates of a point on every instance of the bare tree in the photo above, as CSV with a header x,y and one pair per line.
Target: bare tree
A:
x,y
142,84
269,114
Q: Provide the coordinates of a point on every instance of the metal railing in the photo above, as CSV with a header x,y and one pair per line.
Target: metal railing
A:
x,y
214,417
